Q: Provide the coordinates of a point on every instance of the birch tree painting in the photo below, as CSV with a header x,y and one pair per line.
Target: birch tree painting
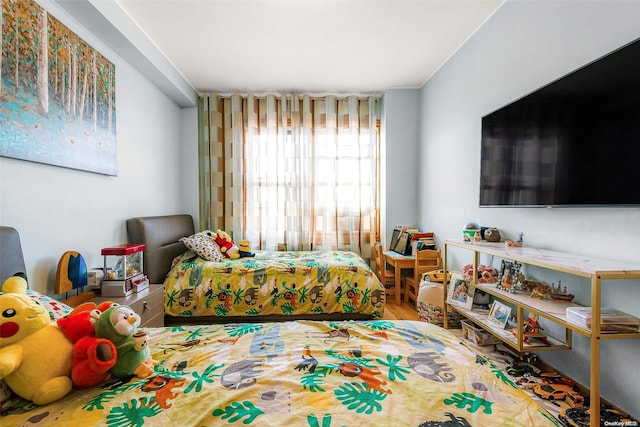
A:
x,y
57,93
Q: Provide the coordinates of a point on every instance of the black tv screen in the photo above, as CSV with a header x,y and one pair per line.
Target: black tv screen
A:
x,y
574,142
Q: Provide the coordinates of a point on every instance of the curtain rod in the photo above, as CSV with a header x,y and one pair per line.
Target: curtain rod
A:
x,y
288,95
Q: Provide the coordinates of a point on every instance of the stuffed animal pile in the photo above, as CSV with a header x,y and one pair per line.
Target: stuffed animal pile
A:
x,y
42,361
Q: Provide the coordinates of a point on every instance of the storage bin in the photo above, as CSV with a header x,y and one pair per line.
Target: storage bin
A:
x,y
430,303
478,336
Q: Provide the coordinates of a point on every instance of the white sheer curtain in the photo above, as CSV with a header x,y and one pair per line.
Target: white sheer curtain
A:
x,y
303,171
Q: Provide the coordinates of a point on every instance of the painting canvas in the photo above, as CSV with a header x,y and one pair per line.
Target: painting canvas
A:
x,y
57,94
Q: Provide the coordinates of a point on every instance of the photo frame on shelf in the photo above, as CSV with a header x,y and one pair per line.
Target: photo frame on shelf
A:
x,y
510,277
460,292
499,314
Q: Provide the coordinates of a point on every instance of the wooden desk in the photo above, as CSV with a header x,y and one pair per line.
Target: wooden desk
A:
x,y
399,262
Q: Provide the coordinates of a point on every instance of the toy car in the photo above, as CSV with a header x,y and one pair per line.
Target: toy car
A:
x,y
559,392
579,417
520,369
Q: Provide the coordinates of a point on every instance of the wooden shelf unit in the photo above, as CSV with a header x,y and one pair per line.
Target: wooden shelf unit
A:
x,y
596,270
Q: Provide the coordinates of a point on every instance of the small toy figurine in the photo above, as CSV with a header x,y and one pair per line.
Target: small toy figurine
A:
x,y
244,249
560,293
532,329
540,290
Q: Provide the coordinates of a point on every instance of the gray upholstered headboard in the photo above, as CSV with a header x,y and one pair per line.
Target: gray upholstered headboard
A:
x,y
11,259
160,234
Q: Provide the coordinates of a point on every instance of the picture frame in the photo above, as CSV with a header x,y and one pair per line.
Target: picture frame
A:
x,y
403,245
510,276
460,292
499,314
394,239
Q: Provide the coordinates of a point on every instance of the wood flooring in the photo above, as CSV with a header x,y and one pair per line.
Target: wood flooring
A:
x,y
404,311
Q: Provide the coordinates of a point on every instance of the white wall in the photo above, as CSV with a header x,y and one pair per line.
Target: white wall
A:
x,y
399,137
524,46
189,149
57,209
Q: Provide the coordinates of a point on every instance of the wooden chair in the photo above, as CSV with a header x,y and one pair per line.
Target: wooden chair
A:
x,y
386,276
426,260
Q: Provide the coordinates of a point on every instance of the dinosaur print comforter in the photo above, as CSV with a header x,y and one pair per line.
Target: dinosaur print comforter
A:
x,y
303,373
273,283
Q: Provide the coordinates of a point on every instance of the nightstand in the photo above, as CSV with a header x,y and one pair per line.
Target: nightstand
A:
x,y
148,303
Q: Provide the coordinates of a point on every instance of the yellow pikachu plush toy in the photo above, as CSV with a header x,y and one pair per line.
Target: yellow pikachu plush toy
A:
x,y
35,356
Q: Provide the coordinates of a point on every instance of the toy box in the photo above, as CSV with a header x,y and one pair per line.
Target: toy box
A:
x,y
123,270
478,336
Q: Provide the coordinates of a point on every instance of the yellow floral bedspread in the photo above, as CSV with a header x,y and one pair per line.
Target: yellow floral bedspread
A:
x,y
281,283
304,373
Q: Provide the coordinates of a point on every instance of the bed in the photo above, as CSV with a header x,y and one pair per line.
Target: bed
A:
x,y
299,373
273,285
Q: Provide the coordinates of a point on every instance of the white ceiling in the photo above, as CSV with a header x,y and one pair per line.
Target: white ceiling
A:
x,y
315,46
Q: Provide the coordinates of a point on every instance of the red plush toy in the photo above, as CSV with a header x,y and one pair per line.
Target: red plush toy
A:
x,y
93,357
227,246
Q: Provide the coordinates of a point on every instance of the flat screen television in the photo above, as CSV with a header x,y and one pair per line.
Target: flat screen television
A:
x,y
574,142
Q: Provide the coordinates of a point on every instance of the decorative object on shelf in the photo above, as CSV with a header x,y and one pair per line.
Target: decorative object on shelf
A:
x,y
499,314
560,293
492,235
72,275
531,330
481,300
469,230
539,290
517,244
460,292
486,273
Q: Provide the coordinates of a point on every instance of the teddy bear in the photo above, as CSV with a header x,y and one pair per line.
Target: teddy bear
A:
x,y
93,357
35,355
244,249
119,324
227,246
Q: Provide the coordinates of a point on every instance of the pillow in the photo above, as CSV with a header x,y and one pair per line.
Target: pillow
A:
x,y
56,309
204,245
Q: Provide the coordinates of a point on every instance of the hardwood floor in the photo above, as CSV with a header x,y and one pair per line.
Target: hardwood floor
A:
x,y
405,311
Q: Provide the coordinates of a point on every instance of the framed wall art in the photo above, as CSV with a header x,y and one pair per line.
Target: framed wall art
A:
x,y
57,94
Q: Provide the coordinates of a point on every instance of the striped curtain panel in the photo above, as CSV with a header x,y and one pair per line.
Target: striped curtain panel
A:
x,y
290,171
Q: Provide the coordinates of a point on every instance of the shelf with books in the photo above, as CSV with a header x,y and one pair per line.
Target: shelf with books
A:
x,y
595,270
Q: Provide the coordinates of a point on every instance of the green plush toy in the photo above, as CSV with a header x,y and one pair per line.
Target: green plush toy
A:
x,y
119,324
35,355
